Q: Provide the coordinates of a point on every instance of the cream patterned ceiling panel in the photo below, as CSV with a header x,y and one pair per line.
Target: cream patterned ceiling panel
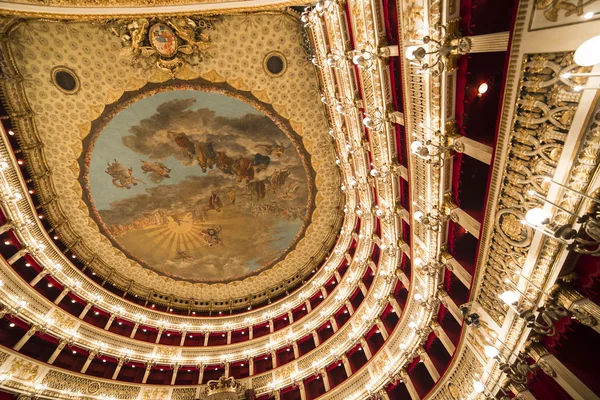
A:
x,y
238,47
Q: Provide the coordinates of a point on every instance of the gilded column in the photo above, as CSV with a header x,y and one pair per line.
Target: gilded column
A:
x,y
175,370
147,373
201,374
382,329
325,378
85,310
365,348
109,322
17,256
316,338
489,43
395,305
135,328
61,295
423,356
561,374
455,267
39,277
88,362
349,307
470,224
450,305
160,332
118,369
363,288
586,311
409,385
520,391
346,363
59,348
443,336
308,306
302,390
25,338
274,359
333,323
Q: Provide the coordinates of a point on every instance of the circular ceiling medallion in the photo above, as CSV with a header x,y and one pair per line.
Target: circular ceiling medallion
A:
x,y
65,79
197,184
275,63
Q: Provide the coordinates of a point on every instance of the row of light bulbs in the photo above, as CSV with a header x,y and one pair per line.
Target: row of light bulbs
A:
x,y
373,122
123,351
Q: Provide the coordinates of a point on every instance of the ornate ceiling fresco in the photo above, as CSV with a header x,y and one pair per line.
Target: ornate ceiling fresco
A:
x,y
205,167
195,184
368,200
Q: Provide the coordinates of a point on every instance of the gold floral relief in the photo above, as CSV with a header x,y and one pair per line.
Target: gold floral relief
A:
x,y
23,369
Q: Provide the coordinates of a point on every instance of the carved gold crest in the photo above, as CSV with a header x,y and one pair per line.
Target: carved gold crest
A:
x,y
165,43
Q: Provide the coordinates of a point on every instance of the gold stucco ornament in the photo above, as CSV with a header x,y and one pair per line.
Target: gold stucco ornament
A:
x,y
165,43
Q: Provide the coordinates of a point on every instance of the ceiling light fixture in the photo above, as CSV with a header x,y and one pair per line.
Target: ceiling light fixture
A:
x,y
482,89
588,53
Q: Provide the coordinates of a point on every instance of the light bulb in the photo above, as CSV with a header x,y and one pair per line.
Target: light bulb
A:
x,y
588,53
415,146
537,216
418,297
478,387
418,261
509,297
482,88
412,324
368,122
409,53
490,351
358,59
418,215
588,15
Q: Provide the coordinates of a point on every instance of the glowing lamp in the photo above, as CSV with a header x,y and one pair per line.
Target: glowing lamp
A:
x,y
478,387
509,297
490,351
415,146
588,53
418,215
409,53
537,216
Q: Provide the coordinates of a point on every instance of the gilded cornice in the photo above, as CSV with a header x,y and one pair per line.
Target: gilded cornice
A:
x,y
81,12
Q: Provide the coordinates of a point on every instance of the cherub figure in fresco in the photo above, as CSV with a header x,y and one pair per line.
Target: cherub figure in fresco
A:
x,y
158,171
183,255
201,209
243,168
274,149
231,195
203,152
277,179
289,190
211,236
122,176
